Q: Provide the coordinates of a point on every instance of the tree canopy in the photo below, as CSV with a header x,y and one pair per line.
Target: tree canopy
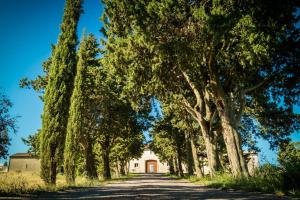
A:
x,y
224,73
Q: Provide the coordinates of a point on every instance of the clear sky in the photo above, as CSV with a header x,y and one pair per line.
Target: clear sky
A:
x,y
27,30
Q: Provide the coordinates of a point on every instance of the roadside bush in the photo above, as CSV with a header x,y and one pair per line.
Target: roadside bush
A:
x,y
267,178
289,159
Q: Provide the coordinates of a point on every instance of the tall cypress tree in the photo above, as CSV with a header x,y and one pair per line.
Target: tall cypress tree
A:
x,y
78,130
58,93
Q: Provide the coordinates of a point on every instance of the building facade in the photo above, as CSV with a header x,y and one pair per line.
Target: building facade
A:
x,y
148,163
24,162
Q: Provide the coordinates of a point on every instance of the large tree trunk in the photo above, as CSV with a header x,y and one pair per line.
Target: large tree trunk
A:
x,y
90,165
189,155
233,143
118,168
210,145
106,167
69,165
179,157
195,157
228,120
122,167
127,167
53,169
176,169
202,112
171,166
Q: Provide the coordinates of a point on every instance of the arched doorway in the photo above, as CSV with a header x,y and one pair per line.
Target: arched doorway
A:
x,y
151,166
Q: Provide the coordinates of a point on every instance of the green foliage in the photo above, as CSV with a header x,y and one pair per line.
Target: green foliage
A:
x,y
227,68
289,159
169,142
119,125
33,142
7,124
222,53
267,178
80,124
125,149
58,93
167,138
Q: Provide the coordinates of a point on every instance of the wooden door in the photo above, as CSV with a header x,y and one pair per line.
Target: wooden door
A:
x,y
151,166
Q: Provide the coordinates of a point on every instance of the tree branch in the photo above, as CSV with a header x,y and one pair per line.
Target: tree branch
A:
x,y
214,115
267,80
199,101
189,108
250,89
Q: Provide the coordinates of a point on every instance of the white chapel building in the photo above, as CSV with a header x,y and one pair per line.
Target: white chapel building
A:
x,y
148,163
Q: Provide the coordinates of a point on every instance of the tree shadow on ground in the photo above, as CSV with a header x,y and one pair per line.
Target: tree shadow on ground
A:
x,y
152,187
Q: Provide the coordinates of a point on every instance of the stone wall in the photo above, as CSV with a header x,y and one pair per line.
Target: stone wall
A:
x,y
24,165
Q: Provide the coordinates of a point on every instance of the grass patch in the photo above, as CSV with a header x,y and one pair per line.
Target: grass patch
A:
x,y
267,179
18,184
175,176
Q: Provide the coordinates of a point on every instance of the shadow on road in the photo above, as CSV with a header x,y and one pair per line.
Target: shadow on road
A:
x,y
152,186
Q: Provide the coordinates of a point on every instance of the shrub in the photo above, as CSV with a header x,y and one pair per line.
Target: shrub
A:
x,y
289,159
267,178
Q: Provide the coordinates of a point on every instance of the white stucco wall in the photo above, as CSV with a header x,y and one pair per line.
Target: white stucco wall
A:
x,y
141,168
253,163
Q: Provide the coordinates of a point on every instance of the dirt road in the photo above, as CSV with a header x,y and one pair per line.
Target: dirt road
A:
x,y
153,187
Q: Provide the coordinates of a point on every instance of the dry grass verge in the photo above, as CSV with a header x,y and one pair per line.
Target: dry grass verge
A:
x,y
17,184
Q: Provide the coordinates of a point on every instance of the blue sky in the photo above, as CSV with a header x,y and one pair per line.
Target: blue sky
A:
x,y
28,28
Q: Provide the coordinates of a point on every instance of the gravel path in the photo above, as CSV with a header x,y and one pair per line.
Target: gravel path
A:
x,y
153,186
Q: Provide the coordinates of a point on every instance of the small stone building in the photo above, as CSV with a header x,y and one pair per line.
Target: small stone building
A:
x,y
148,163
24,162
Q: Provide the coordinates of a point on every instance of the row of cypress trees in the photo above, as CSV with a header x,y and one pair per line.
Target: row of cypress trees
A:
x,y
75,97
80,111
58,95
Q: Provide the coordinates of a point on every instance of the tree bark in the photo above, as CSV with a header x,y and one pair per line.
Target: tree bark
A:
x,y
195,157
179,157
209,140
53,171
189,156
127,167
122,167
233,144
210,145
228,121
106,167
171,167
203,114
90,165
176,169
